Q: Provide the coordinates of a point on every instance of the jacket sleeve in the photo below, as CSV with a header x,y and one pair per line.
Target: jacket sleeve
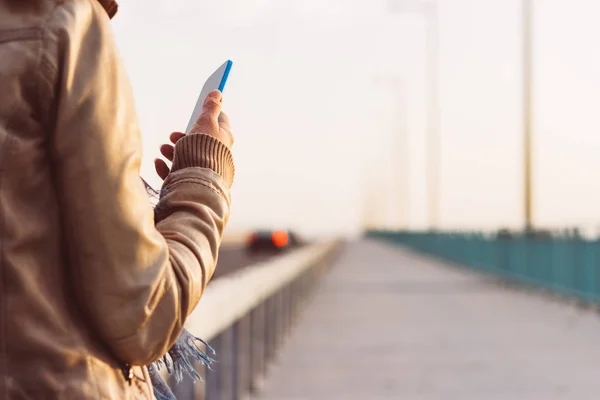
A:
x,y
135,282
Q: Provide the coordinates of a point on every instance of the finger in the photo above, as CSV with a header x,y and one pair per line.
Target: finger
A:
x,y
224,122
216,94
212,104
161,168
211,109
168,151
175,136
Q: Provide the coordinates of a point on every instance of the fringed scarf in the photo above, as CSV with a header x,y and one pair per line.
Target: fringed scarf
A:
x,y
181,357
179,360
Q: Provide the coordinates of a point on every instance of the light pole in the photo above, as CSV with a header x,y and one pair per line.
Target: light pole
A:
x,y
399,150
527,113
430,10
433,113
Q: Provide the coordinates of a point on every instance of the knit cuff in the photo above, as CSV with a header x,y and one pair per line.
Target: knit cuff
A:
x,y
200,150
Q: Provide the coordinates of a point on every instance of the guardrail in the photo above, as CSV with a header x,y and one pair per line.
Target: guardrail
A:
x,y
569,265
245,318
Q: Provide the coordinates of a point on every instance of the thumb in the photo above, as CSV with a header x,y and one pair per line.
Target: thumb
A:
x,y
208,121
212,105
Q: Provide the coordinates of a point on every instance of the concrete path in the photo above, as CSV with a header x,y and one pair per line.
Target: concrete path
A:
x,y
390,324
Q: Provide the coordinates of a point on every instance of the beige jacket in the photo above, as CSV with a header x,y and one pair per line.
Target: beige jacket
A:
x,y
88,284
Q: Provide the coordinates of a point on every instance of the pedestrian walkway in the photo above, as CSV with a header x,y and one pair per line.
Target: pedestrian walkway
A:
x,y
390,324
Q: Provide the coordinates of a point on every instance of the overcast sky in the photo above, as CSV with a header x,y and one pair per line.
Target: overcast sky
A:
x,y
327,103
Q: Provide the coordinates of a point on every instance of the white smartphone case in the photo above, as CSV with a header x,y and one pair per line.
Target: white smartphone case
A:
x,y
216,81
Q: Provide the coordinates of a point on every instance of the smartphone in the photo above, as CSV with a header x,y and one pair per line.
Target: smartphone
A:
x,y
217,80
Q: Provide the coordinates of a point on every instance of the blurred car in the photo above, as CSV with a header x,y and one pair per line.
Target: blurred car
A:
x,y
272,241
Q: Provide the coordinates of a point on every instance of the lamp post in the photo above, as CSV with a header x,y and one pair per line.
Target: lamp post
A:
x,y
433,134
430,10
399,150
527,113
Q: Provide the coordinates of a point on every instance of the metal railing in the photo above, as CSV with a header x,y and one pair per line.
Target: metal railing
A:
x,y
567,264
245,318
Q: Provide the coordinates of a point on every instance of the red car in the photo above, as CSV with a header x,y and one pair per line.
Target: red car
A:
x,y
271,241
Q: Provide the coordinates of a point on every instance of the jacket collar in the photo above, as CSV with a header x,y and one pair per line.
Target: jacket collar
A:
x,y
110,6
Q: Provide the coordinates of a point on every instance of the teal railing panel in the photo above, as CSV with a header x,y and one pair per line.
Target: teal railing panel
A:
x,y
566,264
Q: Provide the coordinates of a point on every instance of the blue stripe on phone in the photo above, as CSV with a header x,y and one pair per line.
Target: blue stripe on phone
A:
x,y
225,76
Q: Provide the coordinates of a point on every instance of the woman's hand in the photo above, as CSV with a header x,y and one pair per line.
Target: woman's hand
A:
x,y
167,150
211,122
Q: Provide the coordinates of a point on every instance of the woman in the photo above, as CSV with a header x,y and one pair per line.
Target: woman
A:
x,y
93,284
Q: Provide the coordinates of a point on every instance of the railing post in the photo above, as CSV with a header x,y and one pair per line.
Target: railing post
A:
x,y
226,365
292,304
242,334
184,389
251,353
274,320
200,387
257,347
268,334
236,360
278,321
288,309
213,377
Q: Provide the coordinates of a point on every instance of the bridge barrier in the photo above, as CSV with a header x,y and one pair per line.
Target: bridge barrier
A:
x,y
246,316
567,264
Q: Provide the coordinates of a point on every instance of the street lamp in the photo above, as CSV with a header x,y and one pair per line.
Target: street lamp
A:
x,y
527,112
399,149
429,9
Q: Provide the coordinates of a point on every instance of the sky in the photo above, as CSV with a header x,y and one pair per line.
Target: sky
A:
x,y
327,100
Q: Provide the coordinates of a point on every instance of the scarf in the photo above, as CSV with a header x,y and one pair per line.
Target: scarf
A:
x,y
179,361
186,350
